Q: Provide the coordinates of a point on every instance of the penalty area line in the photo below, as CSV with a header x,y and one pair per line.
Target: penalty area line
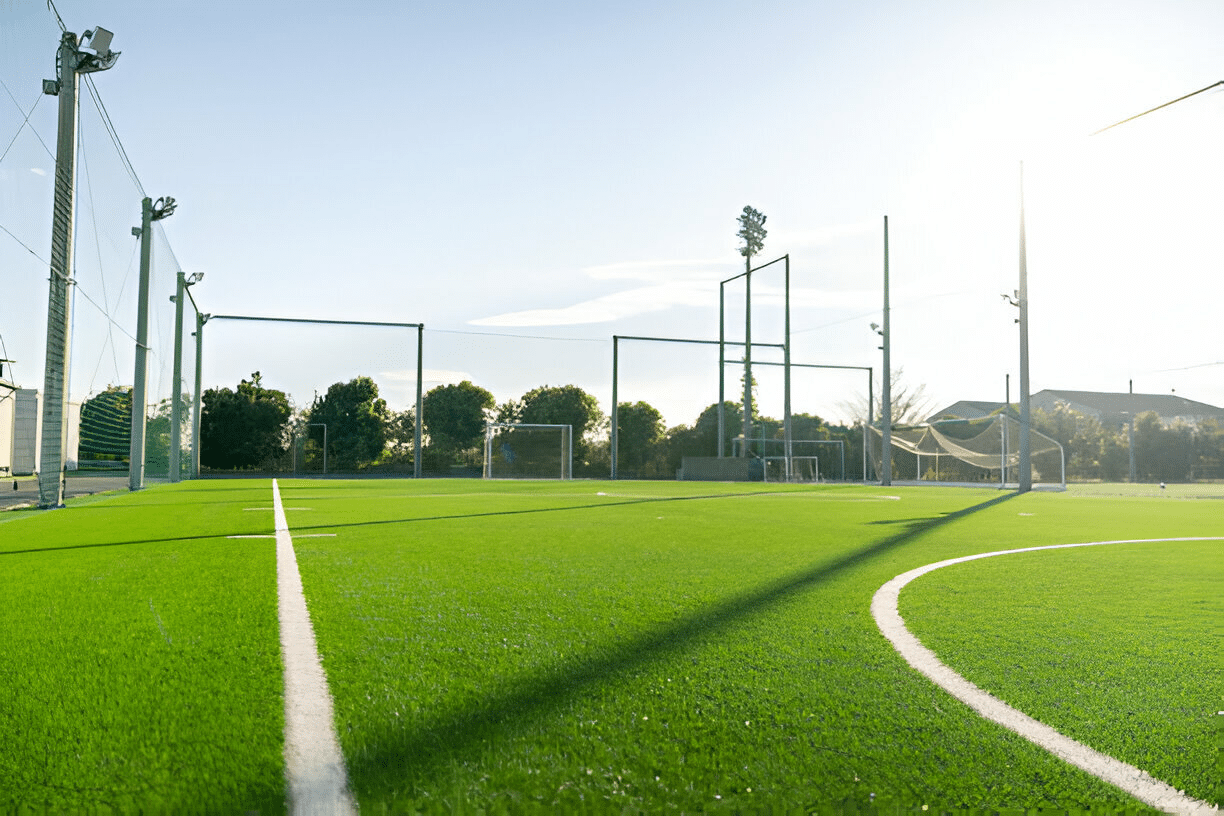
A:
x,y
314,767
1138,783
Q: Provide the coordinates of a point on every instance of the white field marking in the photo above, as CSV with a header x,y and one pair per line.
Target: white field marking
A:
x,y
314,768
265,509
1130,779
307,535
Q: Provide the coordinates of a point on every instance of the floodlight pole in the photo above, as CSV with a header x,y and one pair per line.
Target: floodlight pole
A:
x,y
886,395
70,63
747,352
1026,464
139,396
176,419
149,212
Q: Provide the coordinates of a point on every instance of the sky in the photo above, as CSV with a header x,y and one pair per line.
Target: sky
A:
x,y
529,180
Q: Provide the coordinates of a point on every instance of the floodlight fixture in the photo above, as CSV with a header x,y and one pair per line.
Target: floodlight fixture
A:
x,y
194,278
99,40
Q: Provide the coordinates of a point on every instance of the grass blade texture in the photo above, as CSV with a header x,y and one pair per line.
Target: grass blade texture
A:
x,y
140,655
661,647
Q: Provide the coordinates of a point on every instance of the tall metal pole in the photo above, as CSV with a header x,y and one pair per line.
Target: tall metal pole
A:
x,y
59,304
139,385
176,411
416,451
786,388
615,450
886,396
747,352
870,411
722,375
201,319
1026,464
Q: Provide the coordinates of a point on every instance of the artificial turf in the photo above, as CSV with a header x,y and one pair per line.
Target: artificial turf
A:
x,y
1110,645
661,647
140,655
581,646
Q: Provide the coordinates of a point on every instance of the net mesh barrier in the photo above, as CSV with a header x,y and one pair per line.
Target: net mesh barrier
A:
x,y
967,451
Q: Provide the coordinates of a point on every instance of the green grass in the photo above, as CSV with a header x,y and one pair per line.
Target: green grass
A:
x,y
141,656
584,646
1110,645
520,647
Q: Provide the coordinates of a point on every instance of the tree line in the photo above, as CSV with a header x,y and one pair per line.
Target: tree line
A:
x,y
253,427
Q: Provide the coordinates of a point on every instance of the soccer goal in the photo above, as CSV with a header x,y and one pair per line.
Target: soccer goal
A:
x,y
524,451
802,469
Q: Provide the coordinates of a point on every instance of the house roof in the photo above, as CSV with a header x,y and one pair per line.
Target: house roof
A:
x,y
1167,406
966,409
1114,404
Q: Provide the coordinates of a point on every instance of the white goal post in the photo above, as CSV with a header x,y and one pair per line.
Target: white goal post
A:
x,y
526,451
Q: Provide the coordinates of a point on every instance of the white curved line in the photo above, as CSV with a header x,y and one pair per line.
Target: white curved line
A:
x,y
1130,779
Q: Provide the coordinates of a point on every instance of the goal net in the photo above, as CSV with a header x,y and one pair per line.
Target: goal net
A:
x,y
802,469
525,451
961,450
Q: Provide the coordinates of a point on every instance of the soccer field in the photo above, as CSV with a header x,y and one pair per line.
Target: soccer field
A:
x,y
602,646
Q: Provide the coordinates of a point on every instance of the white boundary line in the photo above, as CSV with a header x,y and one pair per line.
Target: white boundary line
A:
x,y
314,768
1130,779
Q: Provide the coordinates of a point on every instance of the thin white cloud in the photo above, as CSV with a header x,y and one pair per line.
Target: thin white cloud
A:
x,y
659,271
38,171
616,306
430,376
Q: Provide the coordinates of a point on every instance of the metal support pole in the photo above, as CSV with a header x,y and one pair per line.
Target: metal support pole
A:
x,y
886,396
59,305
615,450
139,384
1026,464
870,420
786,386
201,319
722,375
416,450
176,410
747,353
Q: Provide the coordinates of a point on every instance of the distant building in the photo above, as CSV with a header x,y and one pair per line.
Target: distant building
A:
x,y
21,428
1108,408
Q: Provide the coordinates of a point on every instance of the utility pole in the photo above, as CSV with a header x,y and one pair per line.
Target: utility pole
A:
x,y
149,212
886,387
70,62
1026,463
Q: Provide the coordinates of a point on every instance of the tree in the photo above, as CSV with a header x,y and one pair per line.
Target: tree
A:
x,y
565,405
401,437
455,415
702,438
909,403
244,428
640,436
106,424
357,422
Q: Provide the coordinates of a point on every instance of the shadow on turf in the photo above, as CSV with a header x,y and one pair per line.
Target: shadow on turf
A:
x,y
298,528
451,733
